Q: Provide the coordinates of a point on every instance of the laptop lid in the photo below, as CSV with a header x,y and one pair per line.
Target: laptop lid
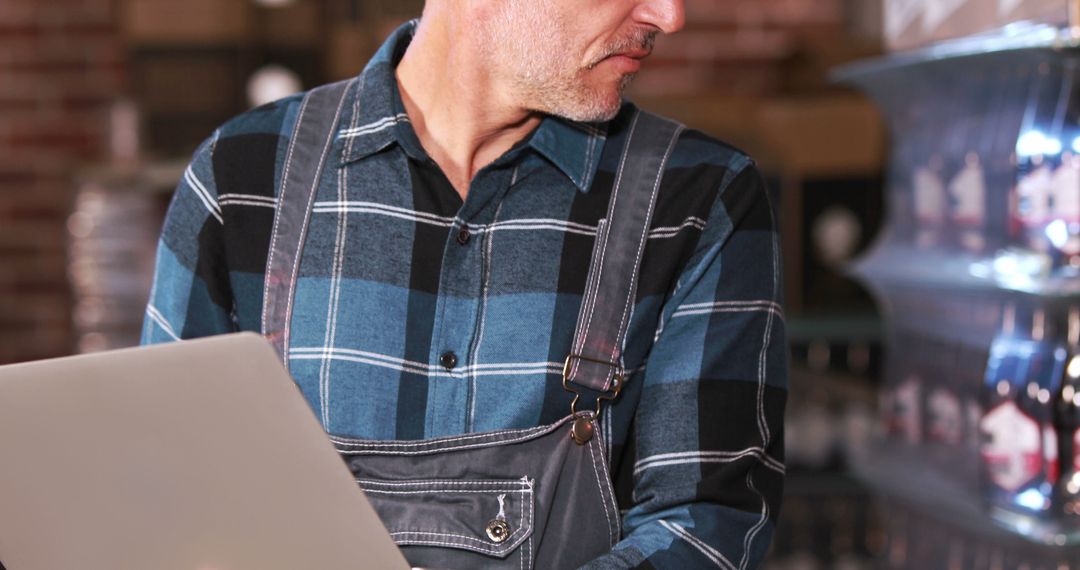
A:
x,y
199,455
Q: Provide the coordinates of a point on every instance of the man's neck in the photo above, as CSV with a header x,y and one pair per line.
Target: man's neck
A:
x,y
462,115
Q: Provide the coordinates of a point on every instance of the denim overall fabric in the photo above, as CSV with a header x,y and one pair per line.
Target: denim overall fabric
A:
x,y
439,497
529,498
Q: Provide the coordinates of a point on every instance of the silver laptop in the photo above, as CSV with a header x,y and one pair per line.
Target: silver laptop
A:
x,y
200,455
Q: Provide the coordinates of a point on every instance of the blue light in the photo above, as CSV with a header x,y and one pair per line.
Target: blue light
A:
x,y
1030,143
1031,499
1057,232
1035,142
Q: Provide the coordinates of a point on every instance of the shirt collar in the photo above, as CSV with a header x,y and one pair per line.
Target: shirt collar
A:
x,y
571,146
375,120
380,121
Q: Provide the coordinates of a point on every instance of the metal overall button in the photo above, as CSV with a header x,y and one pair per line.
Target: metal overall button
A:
x,y
498,531
582,430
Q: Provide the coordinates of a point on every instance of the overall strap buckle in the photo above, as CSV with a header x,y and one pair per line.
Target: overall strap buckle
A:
x,y
616,384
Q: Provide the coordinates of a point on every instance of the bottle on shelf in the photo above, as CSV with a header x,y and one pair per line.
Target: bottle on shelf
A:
x,y
1020,455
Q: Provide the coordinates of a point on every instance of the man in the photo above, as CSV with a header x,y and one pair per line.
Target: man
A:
x,y
447,252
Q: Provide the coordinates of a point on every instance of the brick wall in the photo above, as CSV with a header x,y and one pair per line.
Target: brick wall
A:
x,y
744,47
61,64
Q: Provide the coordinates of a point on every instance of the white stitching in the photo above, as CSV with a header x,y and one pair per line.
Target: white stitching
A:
x,y
521,551
431,442
504,548
441,543
530,550
592,284
462,545
432,491
609,485
611,208
592,289
485,546
532,522
307,219
600,486
486,276
616,346
521,521
607,481
523,528
491,436
277,222
433,450
603,252
520,484
455,535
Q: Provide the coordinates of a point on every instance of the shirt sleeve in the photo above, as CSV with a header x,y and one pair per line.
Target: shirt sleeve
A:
x,y
708,431
191,296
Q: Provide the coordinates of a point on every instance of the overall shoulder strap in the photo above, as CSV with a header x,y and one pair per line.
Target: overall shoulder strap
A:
x,y
304,161
595,361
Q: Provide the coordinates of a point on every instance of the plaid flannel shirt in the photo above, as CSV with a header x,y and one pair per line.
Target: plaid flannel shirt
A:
x,y
389,284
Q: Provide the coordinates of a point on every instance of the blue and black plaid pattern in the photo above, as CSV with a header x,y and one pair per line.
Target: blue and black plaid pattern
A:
x,y
397,271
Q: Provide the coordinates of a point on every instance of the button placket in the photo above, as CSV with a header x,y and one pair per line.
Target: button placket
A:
x,y
461,293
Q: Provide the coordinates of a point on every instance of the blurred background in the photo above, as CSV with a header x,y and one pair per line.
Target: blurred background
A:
x,y
102,102
100,95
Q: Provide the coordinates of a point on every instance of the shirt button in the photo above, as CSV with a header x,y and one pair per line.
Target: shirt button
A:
x,y
448,360
463,236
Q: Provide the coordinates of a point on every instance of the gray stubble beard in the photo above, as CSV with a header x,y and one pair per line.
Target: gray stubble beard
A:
x,y
572,99
578,102
541,84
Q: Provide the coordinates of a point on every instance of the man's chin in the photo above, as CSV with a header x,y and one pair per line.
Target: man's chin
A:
x,y
597,108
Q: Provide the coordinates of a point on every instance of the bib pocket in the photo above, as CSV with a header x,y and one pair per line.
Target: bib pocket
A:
x,y
468,523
